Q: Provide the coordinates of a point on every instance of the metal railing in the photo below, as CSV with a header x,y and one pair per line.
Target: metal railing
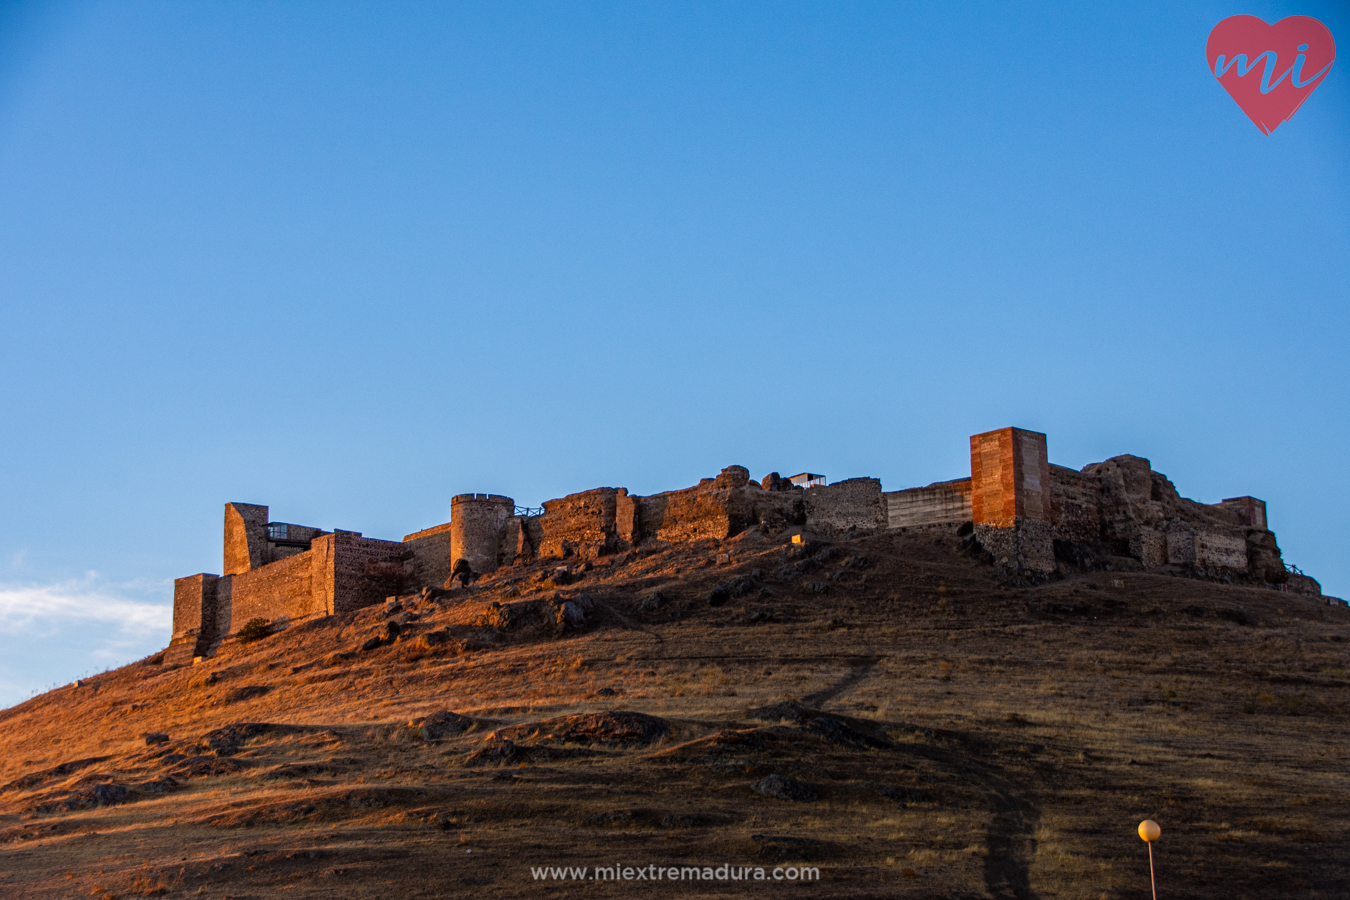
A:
x,y
529,511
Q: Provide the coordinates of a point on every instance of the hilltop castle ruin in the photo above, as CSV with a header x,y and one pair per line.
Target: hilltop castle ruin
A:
x,y
1017,510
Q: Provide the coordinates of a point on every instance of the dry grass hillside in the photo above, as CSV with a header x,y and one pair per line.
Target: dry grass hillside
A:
x,y
884,709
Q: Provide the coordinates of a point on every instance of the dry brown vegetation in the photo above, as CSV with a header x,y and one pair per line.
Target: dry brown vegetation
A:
x,y
961,736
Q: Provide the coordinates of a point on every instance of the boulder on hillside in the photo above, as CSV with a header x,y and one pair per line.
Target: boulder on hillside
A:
x,y
619,728
781,787
440,725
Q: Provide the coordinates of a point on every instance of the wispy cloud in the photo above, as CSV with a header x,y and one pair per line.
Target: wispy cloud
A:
x,y
42,607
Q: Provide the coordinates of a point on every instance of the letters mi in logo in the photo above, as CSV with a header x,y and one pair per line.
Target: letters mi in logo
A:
x,y
1270,69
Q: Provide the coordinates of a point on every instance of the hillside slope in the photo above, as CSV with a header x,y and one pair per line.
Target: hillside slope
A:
x,y
886,709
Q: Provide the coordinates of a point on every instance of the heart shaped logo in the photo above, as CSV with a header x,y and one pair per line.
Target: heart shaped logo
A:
x,y
1270,69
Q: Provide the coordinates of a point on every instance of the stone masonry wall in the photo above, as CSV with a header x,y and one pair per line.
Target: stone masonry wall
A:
x,y
1024,547
1077,503
245,537
853,504
365,570
193,604
583,524
280,590
946,501
1010,477
431,555
520,540
1213,548
1250,511
714,508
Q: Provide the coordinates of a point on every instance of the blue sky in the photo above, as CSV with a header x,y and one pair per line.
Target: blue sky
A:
x,y
350,260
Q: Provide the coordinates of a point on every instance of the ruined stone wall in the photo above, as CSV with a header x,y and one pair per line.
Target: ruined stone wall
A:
x,y
1213,548
1027,546
1142,515
583,524
945,501
432,559
521,536
627,521
1077,504
1131,519
714,508
855,504
476,523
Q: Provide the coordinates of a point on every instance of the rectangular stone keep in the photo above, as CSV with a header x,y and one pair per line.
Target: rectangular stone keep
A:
x,y
1009,477
1250,511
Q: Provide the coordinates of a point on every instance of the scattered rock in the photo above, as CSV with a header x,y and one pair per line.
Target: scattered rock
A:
x,y
247,692
64,770
817,587
431,640
786,711
441,724
570,617
652,602
226,741
619,728
156,737
781,787
371,644
733,587
494,752
207,767
835,729
91,797
158,786
498,617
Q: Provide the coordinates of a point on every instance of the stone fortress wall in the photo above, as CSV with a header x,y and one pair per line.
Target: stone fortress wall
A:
x,y
1016,510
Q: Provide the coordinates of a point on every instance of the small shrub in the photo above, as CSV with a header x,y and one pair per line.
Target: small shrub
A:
x,y
254,630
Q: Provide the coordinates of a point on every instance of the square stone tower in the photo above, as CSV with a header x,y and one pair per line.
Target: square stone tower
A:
x,y
1009,477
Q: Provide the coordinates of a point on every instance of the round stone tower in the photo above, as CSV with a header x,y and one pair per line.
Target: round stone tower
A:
x,y
476,522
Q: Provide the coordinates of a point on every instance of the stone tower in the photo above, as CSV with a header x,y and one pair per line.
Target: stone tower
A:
x,y
476,523
245,538
1009,477
1010,500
